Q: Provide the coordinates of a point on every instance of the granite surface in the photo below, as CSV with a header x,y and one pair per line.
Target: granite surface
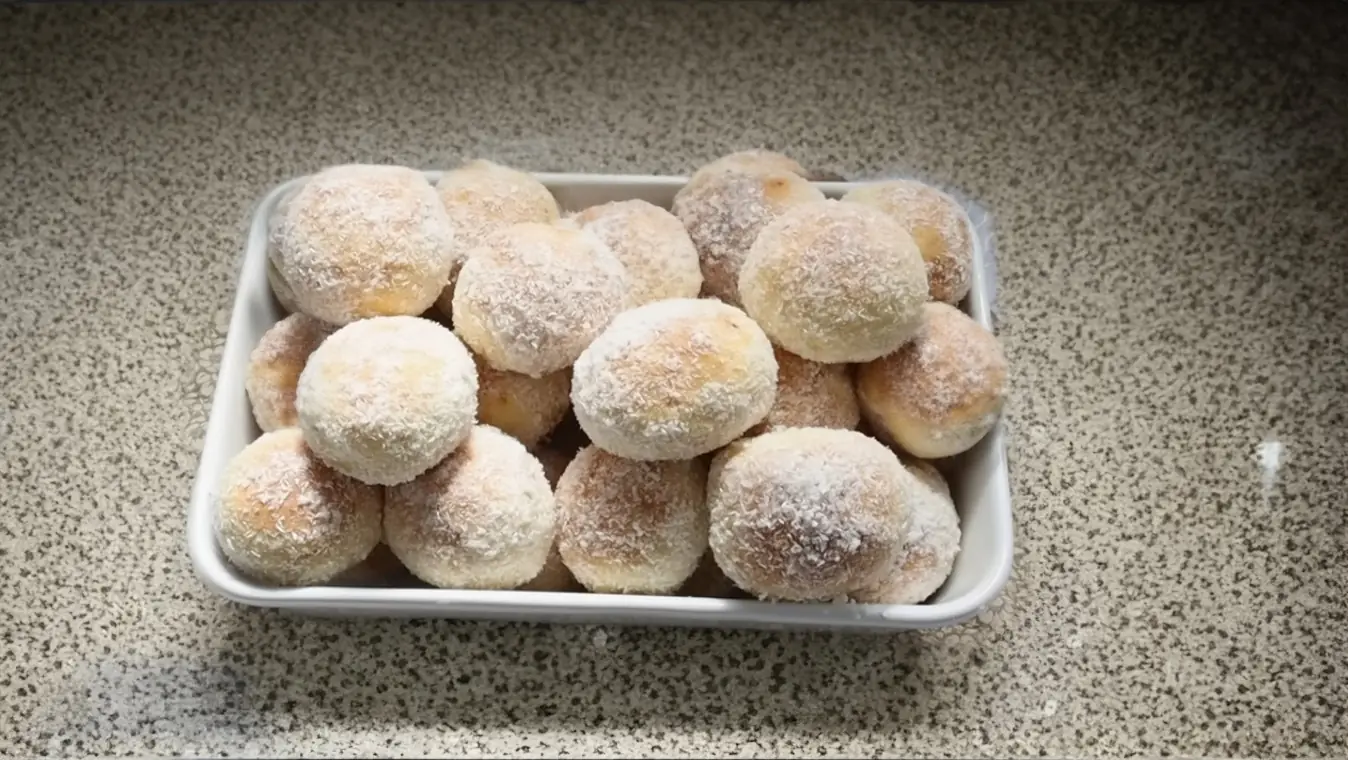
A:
x,y
1170,184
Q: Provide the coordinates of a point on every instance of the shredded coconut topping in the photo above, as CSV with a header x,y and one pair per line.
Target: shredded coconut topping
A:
x,y
674,379
526,408
274,368
930,547
810,394
660,258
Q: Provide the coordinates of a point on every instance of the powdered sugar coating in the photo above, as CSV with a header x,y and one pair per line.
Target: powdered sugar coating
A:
x,y
533,296
810,394
835,282
938,224
724,209
673,380
482,196
930,548
384,399
285,518
526,408
483,518
629,527
660,258
361,241
940,394
275,365
807,514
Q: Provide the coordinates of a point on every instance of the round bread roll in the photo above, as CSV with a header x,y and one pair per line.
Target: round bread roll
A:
x,y
384,399
940,394
482,196
285,518
673,380
527,408
724,209
807,513
364,241
754,161
810,394
483,518
930,548
938,224
835,282
629,527
533,296
275,365
652,243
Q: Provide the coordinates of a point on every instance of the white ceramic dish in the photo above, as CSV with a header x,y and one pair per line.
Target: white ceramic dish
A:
x,y
978,479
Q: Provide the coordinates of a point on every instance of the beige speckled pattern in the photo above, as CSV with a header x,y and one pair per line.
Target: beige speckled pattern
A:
x,y
1170,184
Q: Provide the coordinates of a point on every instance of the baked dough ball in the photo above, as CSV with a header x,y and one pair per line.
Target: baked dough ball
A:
x,y
808,513
384,399
483,518
674,379
482,196
275,365
652,243
938,224
810,394
279,288
724,209
527,408
364,241
629,527
835,282
753,161
533,296
940,394
930,548
285,518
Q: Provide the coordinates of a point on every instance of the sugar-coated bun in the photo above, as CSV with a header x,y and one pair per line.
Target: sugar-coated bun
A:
x,y
482,196
531,297
279,288
810,394
629,527
753,161
381,569
941,393
673,380
363,241
285,518
807,513
835,282
710,581
527,408
652,243
725,208
931,546
938,224
384,399
483,518
275,365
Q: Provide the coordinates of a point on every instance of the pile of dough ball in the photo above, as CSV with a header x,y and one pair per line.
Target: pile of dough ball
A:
x,y
477,388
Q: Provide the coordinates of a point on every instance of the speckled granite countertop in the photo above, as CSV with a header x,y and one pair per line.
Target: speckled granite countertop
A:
x,y
1171,188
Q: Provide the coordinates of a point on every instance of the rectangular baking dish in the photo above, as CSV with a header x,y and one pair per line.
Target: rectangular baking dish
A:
x,y
978,479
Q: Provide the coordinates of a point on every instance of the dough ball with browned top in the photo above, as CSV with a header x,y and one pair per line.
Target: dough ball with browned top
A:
x,y
527,408
275,365
660,258
810,394
930,549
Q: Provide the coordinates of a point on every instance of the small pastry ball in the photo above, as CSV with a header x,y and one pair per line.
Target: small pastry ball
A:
x,y
753,161
938,224
364,241
724,209
835,282
275,365
930,549
629,527
285,518
673,380
810,394
533,296
709,580
384,399
482,196
652,243
527,408
940,394
808,513
483,518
